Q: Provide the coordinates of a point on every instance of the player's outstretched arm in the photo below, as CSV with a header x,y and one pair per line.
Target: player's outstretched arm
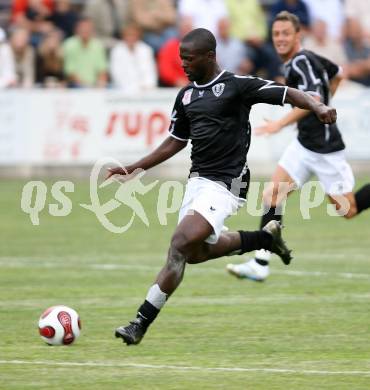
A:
x,y
168,148
271,127
305,101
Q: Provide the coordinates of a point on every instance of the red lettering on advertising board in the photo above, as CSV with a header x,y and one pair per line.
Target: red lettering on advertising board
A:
x,y
80,124
150,125
132,123
111,124
157,125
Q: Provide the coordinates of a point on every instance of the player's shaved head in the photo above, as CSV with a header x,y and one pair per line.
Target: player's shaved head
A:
x,y
198,55
201,39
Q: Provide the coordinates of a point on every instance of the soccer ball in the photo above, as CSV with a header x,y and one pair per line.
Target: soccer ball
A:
x,y
59,325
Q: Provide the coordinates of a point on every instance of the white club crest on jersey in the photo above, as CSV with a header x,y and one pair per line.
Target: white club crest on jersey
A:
x,y
218,89
186,99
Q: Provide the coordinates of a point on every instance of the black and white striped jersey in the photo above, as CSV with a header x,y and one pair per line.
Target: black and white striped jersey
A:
x,y
215,117
312,73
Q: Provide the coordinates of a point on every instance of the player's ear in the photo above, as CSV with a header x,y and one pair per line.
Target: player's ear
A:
x,y
299,36
211,55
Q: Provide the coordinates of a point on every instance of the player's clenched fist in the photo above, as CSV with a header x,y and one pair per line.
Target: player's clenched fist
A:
x,y
326,114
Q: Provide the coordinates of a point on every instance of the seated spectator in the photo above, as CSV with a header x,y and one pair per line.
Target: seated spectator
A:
x,y
249,24
64,17
49,62
24,56
318,40
157,20
171,73
35,19
132,63
358,52
8,76
232,54
203,13
108,17
296,7
85,63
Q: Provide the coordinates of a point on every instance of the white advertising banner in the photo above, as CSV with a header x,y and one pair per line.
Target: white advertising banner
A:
x,y
81,126
12,128
41,127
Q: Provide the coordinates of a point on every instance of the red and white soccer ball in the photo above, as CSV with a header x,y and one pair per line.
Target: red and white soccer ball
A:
x,y
59,325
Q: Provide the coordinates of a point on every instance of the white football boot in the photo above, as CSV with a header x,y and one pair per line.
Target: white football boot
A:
x,y
249,270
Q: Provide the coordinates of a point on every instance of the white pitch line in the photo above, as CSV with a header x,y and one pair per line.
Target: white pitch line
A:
x,y
183,368
142,267
232,300
346,275
162,255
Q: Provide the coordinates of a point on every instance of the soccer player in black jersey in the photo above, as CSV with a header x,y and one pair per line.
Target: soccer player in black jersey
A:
x,y
213,112
318,148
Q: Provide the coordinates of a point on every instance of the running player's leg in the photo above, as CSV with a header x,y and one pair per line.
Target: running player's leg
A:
x,y
205,207
188,246
345,204
362,198
293,170
338,181
274,198
351,204
192,230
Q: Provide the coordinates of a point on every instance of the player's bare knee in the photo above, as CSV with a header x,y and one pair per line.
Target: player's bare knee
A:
x,y
183,244
352,212
199,254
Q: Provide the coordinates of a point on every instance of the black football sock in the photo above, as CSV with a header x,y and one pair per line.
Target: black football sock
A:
x,y
262,262
251,241
274,213
148,313
362,197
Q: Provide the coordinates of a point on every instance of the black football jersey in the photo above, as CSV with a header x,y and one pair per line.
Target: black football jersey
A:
x,y
215,117
312,73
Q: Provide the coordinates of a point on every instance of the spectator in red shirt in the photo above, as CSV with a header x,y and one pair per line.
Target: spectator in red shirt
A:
x,y
171,73
19,6
33,15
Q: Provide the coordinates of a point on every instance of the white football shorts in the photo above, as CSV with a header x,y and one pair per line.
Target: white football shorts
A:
x,y
331,169
211,200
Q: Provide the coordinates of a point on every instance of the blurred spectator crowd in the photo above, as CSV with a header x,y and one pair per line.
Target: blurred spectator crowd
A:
x,y
132,45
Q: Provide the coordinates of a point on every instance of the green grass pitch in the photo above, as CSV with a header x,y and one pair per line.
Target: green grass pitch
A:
x,y
307,327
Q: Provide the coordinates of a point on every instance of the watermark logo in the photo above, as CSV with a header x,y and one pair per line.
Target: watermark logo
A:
x,y
131,188
34,198
125,195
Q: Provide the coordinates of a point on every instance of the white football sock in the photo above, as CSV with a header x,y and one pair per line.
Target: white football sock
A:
x,y
156,297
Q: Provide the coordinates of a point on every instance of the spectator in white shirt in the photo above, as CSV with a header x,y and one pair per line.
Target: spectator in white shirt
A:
x,y
203,13
8,77
132,63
